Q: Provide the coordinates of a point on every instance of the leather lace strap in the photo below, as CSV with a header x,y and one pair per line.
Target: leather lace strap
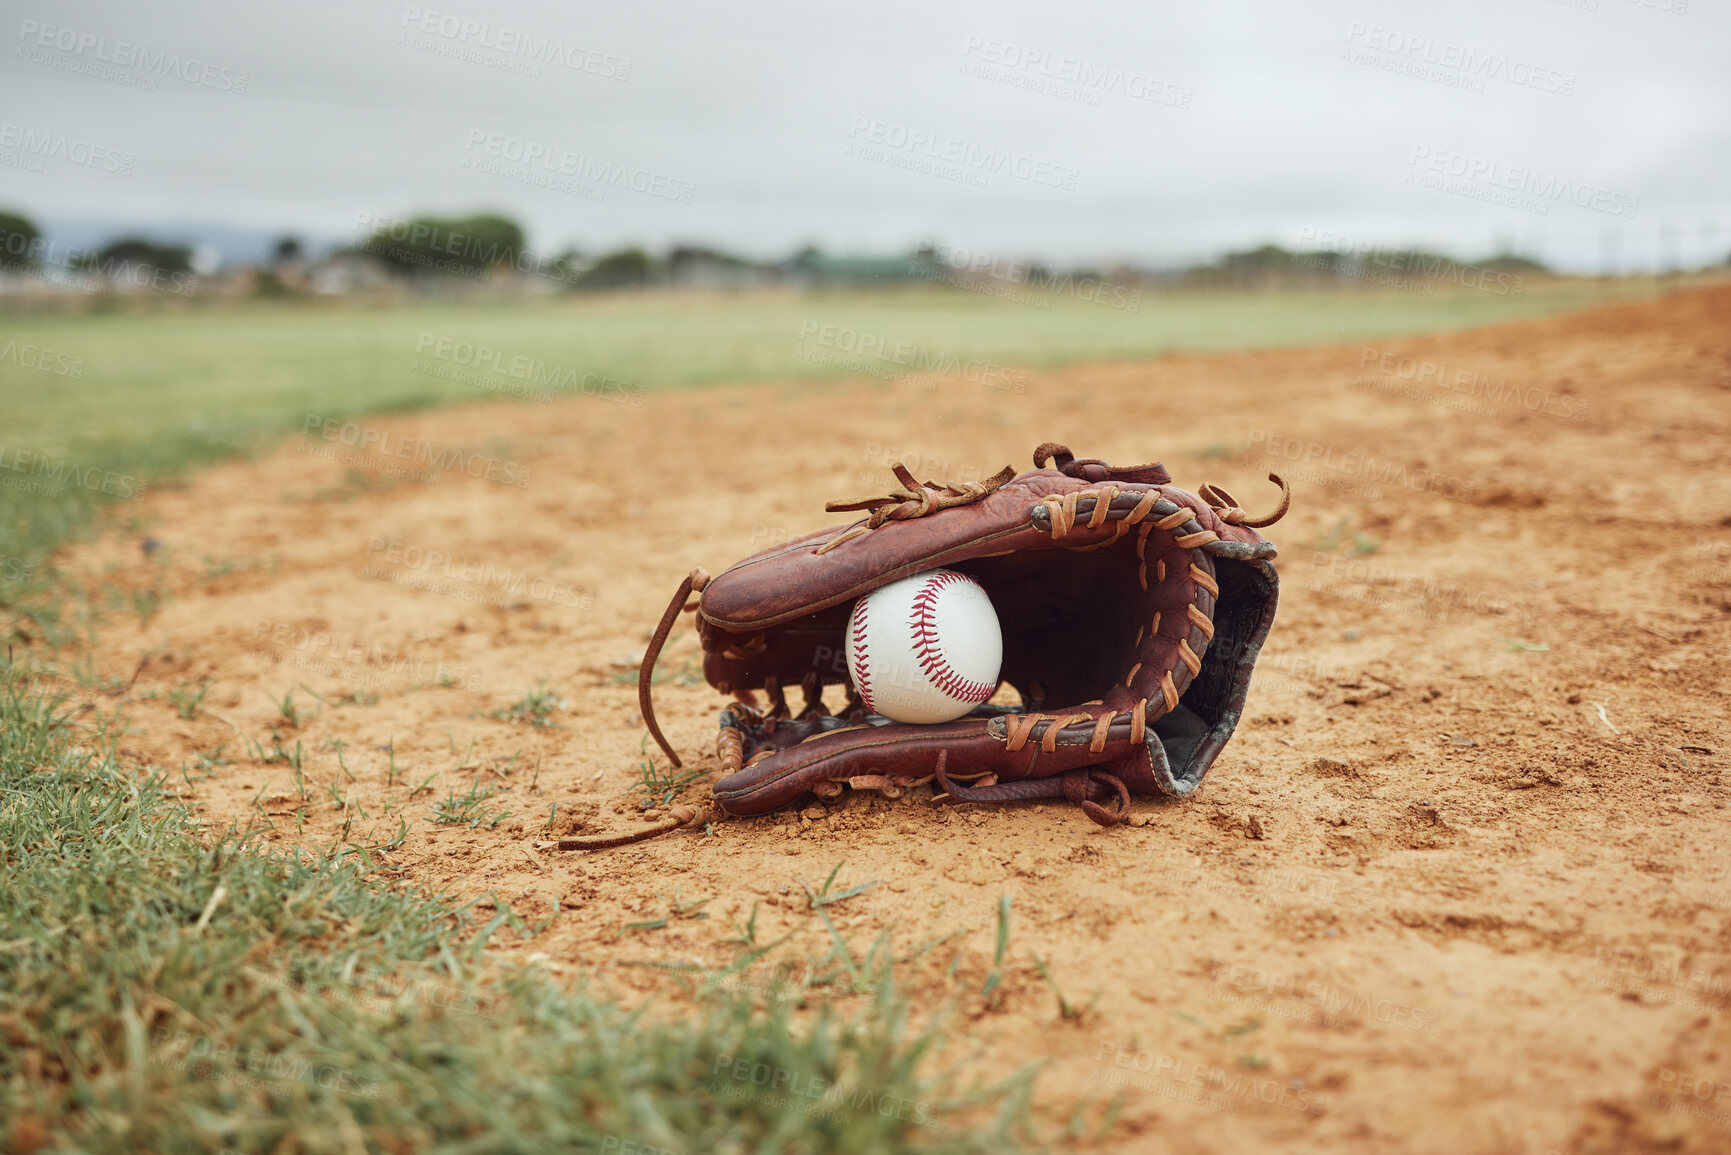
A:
x,y
693,583
912,500
677,817
1232,513
1078,786
1092,469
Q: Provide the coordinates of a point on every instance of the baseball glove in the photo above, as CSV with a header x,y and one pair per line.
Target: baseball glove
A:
x,y
1132,613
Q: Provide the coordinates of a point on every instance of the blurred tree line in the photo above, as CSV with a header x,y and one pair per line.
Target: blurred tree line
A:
x,y
430,249
22,249
474,246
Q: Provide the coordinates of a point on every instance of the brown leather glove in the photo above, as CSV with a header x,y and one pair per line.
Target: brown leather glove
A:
x,y
1132,613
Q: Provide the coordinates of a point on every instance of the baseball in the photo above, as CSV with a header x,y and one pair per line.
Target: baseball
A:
x,y
926,648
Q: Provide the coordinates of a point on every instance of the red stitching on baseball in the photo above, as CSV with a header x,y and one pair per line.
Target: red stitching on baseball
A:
x,y
862,674
930,652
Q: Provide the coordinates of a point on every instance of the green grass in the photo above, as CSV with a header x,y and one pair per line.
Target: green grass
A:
x,y
167,989
469,809
535,708
167,388
216,374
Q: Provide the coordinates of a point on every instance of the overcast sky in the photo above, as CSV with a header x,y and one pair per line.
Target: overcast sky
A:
x,y
1582,132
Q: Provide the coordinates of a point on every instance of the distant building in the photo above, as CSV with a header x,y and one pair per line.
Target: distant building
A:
x,y
816,269
349,272
690,266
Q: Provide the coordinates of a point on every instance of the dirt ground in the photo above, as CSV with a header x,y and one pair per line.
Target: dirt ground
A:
x,y
1461,882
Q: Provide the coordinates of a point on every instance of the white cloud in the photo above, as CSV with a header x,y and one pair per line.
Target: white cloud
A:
x,y
1187,129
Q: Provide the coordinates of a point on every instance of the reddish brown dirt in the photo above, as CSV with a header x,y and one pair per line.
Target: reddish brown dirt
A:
x,y
1462,881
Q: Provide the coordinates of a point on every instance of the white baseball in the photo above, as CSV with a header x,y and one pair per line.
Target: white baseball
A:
x,y
926,648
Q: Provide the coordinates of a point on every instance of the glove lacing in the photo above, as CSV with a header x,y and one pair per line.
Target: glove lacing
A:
x,y
912,500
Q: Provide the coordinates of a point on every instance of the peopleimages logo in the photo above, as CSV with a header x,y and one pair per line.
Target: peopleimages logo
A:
x,y
975,267
1334,1006
86,270
88,46
802,1093
421,568
1459,65
434,457
1493,175
1018,66
1217,1088
879,356
533,372
28,356
880,139
1354,464
58,146
1362,579
336,654
484,35
1481,386
47,476
1345,255
562,162
245,1065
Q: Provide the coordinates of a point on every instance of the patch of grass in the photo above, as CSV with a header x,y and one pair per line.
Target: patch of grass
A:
x,y
999,946
534,708
1328,540
677,908
824,896
187,699
206,761
171,991
1067,1010
688,908
661,785
276,753
288,714
145,603
356,698
469,809
688,674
